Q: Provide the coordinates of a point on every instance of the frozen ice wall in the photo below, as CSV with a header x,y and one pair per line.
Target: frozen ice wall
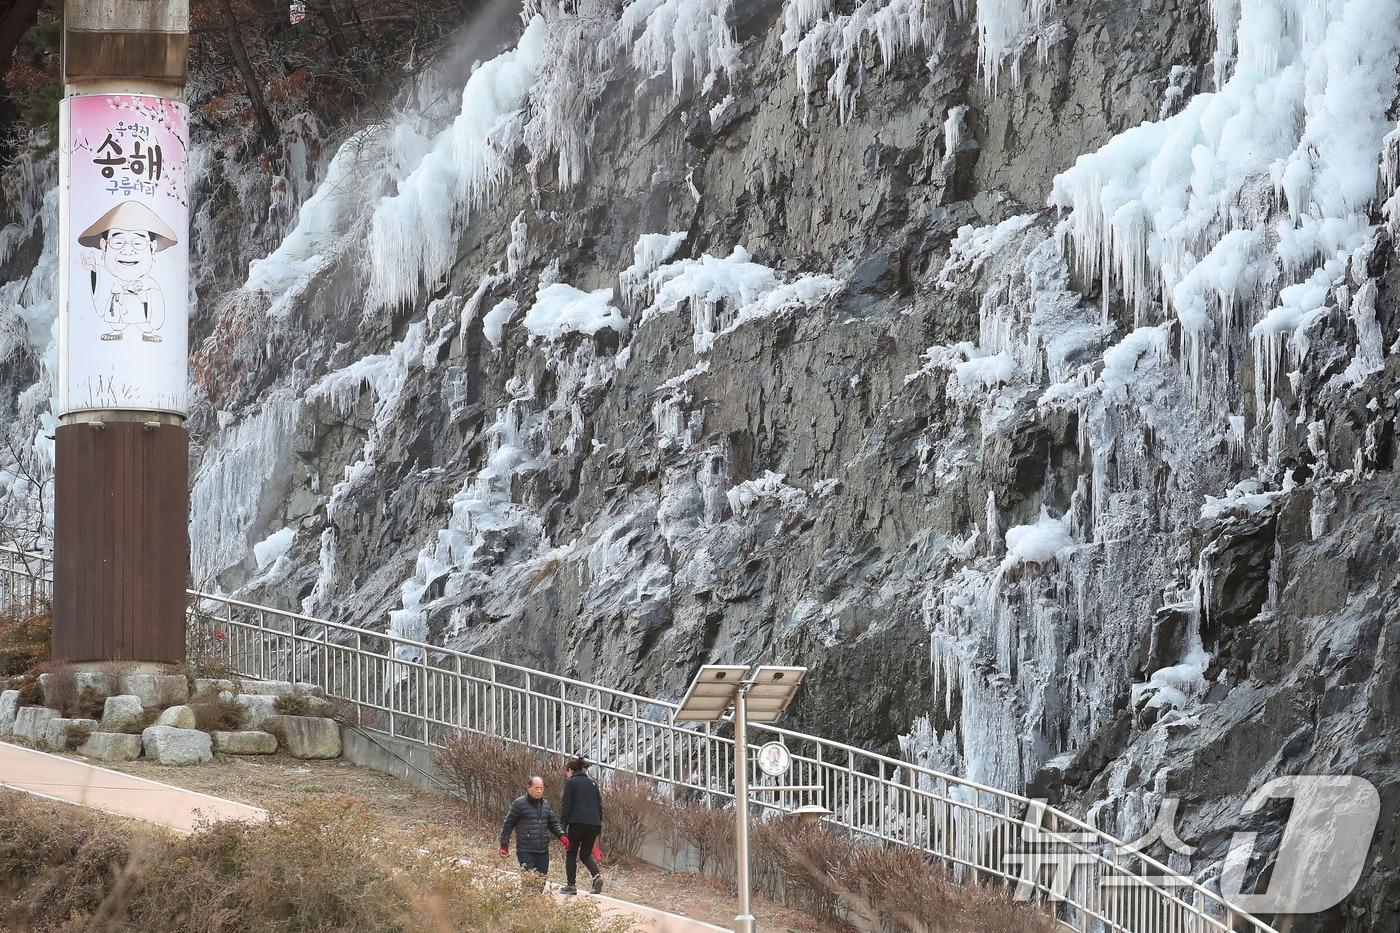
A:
x,y
975,352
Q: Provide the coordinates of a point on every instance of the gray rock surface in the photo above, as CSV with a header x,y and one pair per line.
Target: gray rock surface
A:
x,y
32,723
259,709
272,688
9,707
593,486
167,745
212,686
248,742
308,736
160,690
111,746
181,717
56,730
123,713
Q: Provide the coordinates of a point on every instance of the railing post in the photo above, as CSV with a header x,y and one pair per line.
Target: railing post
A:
x,y
851,788
460,718
636,742
424,692
598,722
492,716
385,683
564,743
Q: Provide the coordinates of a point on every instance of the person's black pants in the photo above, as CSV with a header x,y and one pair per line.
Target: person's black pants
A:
x,y
582,837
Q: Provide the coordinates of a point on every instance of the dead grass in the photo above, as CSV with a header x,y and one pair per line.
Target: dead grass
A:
x,y
216,714
318,867
293,704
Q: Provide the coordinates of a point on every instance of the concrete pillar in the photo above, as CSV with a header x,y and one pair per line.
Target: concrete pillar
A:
x,y
121,546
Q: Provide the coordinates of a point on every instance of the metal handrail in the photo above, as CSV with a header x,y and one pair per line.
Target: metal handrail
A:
x,y
409,681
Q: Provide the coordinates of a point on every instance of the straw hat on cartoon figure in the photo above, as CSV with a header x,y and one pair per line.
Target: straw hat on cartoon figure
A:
x,y
126,240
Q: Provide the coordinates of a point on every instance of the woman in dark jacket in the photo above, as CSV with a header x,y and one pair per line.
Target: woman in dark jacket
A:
x,y
582,813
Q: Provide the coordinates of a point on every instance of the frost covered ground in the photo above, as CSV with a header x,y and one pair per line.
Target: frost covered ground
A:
x,y
1025,368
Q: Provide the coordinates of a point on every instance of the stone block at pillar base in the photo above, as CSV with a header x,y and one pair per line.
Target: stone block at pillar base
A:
x,y
159,690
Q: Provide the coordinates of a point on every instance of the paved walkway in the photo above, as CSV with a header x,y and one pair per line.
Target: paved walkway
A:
x,y
646,918
68,780
71,781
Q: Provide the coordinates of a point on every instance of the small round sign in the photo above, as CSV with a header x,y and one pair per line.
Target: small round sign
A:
x,y
774,759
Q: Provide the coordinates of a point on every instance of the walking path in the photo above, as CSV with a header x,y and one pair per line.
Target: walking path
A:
x,y
68,780
646,918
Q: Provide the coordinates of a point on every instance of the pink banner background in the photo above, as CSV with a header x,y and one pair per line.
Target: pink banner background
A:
x,y
124,291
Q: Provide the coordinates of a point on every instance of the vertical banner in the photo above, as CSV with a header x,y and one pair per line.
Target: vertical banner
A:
x,y
124,253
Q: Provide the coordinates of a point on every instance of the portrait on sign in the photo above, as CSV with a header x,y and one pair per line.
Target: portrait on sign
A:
x,y
124,290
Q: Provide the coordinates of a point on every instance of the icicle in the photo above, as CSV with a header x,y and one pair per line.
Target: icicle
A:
x,y
651,251
412,238
690,39
994,536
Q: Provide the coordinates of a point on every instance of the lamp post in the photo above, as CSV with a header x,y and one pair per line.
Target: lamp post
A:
x,y
761,696
744,922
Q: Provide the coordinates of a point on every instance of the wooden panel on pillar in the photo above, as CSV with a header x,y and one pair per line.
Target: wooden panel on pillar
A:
x,y
121,548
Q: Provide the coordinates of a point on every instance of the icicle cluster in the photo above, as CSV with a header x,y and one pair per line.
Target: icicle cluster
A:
x,y
1185,212
413,233
688,39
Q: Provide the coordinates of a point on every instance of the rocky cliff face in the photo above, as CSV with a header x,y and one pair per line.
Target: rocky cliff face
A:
x,y
1026,371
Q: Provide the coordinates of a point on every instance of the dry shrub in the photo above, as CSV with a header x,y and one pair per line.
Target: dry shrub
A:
x,y
797,861
30,691
634,810
53,866
293,704
206,642
218,715
826,871
58,685
352,714
77,734
320,868
26,636
274,725
59,690
489,773
711,832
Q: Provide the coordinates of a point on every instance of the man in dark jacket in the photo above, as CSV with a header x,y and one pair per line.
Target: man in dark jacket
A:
x,y
582,809
533,822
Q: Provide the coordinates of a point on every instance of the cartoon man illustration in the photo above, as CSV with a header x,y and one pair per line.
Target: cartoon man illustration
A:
x,y
127,239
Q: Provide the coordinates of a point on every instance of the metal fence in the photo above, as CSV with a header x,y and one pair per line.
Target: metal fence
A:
x,y
424,693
